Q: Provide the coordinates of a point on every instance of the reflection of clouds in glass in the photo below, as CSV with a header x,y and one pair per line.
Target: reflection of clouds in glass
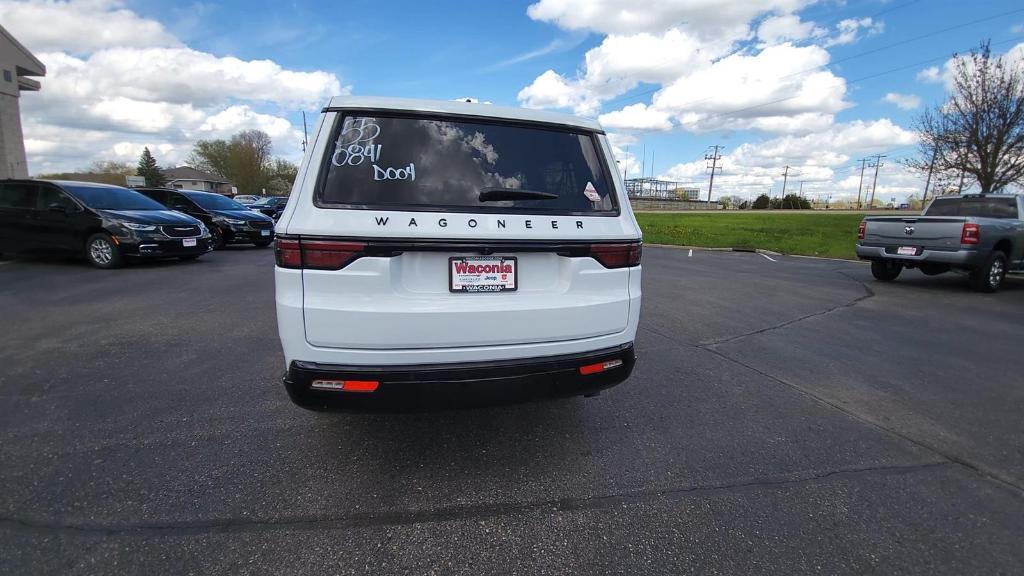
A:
x,y
455,161
589,154
479,143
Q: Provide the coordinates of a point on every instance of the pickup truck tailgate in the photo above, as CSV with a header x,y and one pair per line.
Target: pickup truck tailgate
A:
x,y
933,232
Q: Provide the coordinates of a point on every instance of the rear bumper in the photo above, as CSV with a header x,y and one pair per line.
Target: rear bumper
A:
x,y
170,248
247,236
956,258
415,387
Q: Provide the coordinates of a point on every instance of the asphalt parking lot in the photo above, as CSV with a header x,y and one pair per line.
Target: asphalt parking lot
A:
x,y
786,416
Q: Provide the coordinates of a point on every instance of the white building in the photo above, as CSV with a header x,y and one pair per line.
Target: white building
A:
x,y
17,64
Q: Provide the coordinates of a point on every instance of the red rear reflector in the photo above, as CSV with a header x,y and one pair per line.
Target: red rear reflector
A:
x,y
971,234
600,367
861,230
347,385
616,255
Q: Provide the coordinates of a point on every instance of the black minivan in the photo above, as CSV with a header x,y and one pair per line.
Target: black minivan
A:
x,y
105,223
229,222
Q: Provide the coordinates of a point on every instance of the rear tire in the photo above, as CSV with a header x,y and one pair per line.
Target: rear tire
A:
x,y
989,277
102,252
218,239
885,270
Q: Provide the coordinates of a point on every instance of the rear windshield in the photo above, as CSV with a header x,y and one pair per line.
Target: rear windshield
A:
x,y
112,198
214,201
979,206
415,163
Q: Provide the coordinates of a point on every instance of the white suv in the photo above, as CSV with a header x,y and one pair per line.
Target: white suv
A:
x,y
451,247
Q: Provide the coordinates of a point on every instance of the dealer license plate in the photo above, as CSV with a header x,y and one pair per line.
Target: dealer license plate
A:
x,y
264,232
482,274
906,251
186,242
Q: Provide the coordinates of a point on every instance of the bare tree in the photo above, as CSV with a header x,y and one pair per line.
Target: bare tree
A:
x,y
979,131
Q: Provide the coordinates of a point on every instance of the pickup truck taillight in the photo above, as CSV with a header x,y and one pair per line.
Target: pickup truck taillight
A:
x,y
316,254
861,230
971,234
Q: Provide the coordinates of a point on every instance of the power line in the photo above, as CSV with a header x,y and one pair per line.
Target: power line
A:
x,y
845,58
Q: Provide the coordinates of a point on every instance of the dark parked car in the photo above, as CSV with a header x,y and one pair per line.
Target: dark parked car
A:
x,y
229,222
272,206
105,223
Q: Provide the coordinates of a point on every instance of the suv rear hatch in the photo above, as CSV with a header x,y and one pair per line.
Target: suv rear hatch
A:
x,y
435,232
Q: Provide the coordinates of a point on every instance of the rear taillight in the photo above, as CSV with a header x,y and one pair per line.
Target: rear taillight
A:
x,y
328,254
861,230
316,254
617,255
971,234
288,253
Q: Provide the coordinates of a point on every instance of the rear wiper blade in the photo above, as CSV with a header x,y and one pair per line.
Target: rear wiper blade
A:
x,y
496,194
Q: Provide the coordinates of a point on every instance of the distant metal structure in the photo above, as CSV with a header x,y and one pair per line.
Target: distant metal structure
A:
x,y
661,189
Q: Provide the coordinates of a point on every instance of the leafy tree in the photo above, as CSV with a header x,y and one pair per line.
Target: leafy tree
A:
x,y
113,167
979,131
210,156
793,202
101,172
149,169
762,202
245,161
282,176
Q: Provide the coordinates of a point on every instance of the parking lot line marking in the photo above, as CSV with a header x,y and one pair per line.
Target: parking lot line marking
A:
x,y
690,254
768,257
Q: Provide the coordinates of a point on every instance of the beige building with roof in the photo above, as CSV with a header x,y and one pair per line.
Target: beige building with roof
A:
x,y
17,66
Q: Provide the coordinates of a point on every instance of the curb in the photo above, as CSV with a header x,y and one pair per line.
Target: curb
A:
x,y
752,251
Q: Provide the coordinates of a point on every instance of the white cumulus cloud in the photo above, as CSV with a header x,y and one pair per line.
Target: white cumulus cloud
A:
x,y
903,101
117,81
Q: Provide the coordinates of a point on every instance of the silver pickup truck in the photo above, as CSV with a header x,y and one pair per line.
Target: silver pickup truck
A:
x,y
980,234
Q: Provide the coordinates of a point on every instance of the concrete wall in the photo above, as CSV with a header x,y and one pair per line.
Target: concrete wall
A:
x,y
12,144
653,204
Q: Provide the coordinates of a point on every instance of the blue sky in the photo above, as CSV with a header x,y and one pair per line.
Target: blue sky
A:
x,y
594,58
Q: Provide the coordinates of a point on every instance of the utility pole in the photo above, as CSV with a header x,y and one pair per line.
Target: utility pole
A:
x,y
785,177
874,183
863,162
643,167
928,182
625,164
305,135
714,157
